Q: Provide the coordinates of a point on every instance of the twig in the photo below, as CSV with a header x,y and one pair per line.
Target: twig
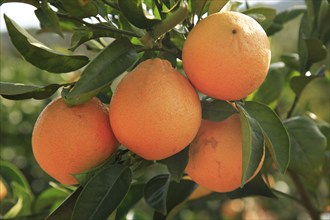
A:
x,y
305,199
294,104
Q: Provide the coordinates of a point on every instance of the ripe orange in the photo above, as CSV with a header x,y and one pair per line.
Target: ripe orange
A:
x,y
215,156
155,112
3,191
226,55
70,140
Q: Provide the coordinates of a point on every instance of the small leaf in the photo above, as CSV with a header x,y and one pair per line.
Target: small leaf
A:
x,y
177,163
217,110
48,198
155,192
272,87
64,211
277,138
136,15
198,7
39,55
256,187
308,146
103,193
134,194
48,18
216,6
105,67
291,60
298,83
18,91
253,144
264,16
304,31
315,49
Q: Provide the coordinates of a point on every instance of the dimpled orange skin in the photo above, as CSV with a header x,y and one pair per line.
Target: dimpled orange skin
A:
x,y
155,112
215,155
70,140
226,55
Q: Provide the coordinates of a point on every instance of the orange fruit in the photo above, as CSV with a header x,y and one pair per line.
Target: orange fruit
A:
x,y
215,155
226,55
3,191
70,140
155,112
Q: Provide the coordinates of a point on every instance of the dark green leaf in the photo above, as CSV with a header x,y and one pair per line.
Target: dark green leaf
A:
x,y
198,6
80,9
39,55
85,34
264,16
277,138
155,192
103,193
105,67
304,32
272,87
177,193
308,146
177,163
298,83
256,187
135,14
316,50
64,211
134,194
17,91
253,144
48,18
217,110
323,18
48,198
291,60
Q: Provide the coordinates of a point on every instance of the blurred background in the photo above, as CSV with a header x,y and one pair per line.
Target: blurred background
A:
x,y
18,117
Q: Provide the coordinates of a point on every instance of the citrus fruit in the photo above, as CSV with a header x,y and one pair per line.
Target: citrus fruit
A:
x,y
70,140
3,191
226,55
215,155
155,112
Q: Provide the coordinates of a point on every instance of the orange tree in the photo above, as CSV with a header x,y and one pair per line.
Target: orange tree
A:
x,y
276,132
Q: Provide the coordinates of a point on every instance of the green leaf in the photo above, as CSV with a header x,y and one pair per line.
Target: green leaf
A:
x,y
134,195
264,16
216,110
12,174
136,15
276,136
30,2
84,34
315,49
105,67
198,6
298,83
48,18
65,210
103,193
155,192
272,87
253,144
291,60
308,146
80,9
304,32
24,201
47,199
39,55
18,91
177,163
256,187
177,193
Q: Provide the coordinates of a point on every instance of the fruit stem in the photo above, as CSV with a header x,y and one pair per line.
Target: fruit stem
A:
x,y
166,25
305,199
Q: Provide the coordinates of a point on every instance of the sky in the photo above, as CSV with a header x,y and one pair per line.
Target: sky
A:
x,y
23,14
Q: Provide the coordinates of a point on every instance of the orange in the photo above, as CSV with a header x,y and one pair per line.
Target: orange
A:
x,y
226,55
215,155
70,140
155,112
3,191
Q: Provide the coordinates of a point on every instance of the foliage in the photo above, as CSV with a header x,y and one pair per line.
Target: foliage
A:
x,y
128,32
